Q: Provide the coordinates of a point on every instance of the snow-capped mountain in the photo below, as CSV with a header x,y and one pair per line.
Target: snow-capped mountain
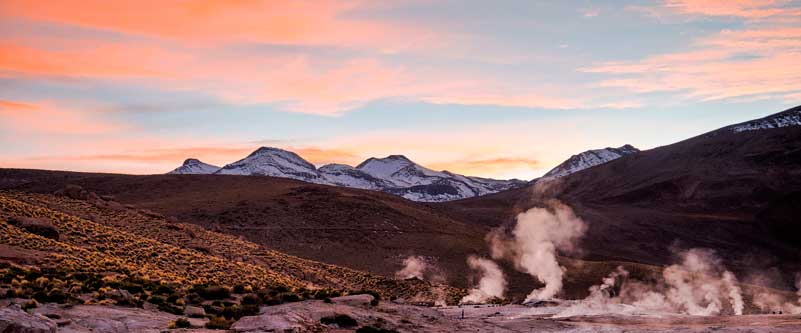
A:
x,y
394,174
791,117
268,161
415,182
194,166
346,175
589,159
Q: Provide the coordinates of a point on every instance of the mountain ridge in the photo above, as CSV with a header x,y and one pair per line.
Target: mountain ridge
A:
x,y
588,159
395,174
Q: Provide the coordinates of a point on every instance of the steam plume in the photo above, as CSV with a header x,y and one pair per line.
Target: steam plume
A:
x,y
413,267
699,285
538,234
492,283
771,302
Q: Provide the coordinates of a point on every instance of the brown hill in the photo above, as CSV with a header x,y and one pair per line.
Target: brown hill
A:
x,y
733,191
365,230
98,235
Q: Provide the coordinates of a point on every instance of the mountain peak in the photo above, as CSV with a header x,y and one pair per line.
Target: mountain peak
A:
x,y
267,150
270,161
384,167
194,166
397,157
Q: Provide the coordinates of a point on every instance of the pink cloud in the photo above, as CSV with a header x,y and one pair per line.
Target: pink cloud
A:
x,y
731,64
749,9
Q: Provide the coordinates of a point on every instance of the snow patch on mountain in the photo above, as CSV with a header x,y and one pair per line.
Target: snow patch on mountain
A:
x,y
193,166
268,161
589,159
346,175
788,118
394,174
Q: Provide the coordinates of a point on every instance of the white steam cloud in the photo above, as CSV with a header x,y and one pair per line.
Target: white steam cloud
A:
x,y
774,303
413,267
492,283
699,285
536,238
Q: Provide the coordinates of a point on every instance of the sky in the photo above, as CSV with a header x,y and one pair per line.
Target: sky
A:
x,y
487,88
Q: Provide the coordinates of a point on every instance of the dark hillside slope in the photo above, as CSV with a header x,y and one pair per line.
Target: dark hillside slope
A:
x,y
733,191
365,230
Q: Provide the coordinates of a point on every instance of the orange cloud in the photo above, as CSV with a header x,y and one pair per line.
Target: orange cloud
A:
x,y
186,47
47,118
100,60
216,21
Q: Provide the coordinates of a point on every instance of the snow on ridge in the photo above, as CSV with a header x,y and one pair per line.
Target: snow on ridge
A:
x,y
780,120
589,159
193,166
274,162
384,167
394,174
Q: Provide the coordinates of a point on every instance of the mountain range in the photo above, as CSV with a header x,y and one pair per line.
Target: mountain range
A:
x,y
734,190
395,174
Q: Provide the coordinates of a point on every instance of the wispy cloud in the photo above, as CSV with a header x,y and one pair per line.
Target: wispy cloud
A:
x,y
754,62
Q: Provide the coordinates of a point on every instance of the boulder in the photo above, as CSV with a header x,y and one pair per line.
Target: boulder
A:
x,y
354,300
194,311
35,225
13,319
265,323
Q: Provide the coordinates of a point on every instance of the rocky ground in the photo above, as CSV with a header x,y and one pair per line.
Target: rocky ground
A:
x,y
357,314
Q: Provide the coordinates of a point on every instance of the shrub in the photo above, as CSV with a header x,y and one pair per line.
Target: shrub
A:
x,y
180,323
340,320
248,310
133,288
173,298
167,307
250,299
215,292
56,296
289,298
219,323
164,290
155,300
194,298
32,304
239,289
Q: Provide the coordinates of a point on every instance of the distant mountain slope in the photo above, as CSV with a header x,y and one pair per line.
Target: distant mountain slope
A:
x,y
791,117
267,161
417,183
589,159
394,174
194,167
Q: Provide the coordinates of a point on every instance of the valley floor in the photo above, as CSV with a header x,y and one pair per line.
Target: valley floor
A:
x,y
391,317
